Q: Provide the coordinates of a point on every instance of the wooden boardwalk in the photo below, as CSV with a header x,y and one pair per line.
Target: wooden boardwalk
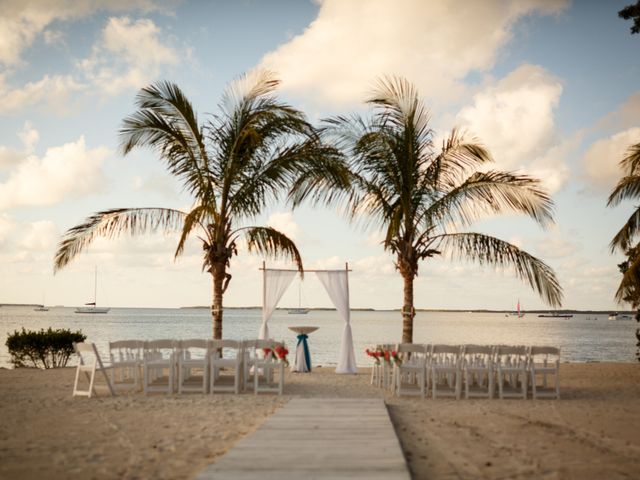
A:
x,y
317,439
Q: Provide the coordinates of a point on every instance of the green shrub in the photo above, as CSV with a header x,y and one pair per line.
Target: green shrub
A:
x,y
44,349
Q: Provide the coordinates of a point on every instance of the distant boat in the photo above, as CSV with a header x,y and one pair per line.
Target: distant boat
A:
x,y
91,306
300,310
620,316
41,309
517,313
556,315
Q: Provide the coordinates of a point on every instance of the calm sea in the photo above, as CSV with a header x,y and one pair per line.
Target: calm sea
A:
x,y
583,338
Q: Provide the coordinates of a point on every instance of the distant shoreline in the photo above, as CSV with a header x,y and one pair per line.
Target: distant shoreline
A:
x,y
329,309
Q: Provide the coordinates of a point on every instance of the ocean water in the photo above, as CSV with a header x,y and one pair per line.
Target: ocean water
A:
x,y
583,338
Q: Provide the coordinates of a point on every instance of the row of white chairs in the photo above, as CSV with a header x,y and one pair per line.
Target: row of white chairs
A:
x,y
445,369
194,365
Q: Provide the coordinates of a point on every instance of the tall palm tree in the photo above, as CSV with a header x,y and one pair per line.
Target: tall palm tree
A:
x,y
628,188
420,197
233,164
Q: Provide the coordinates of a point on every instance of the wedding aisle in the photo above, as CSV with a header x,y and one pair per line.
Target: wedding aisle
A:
x,y
320,438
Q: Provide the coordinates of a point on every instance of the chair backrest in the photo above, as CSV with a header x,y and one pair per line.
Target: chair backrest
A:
x,y
193,348
234,348
477,355
164,348
545,351
410,348
445,354
235,344
512,355
412,353
88,354
126,350
544,355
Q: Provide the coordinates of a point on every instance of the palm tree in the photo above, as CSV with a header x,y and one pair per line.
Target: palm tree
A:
x,y
418,196
233,164
628,188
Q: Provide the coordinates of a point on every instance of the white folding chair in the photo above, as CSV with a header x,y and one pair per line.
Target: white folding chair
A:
x,y
477,371
126,357
231,363
512,370
88,363
159,366
445,371
261,360
544,361
413,369
193,365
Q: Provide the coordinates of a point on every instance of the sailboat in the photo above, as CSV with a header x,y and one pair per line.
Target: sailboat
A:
x,y
300,310
41,308
91,306
517,313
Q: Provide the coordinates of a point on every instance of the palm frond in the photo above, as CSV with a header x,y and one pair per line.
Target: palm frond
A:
x,y
626,235
491,192
193,220
488,250
628,288
631,162
628,188
271,242
111,224
458,156
167,123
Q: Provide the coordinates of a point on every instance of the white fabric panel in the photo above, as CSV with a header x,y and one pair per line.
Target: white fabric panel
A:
x,y
299,365
336,283
276,283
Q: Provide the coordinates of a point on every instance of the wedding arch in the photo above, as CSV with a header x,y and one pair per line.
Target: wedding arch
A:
x,y
275,282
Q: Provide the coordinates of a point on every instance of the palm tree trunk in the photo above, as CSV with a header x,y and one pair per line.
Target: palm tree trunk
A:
x,y
218,273
407,309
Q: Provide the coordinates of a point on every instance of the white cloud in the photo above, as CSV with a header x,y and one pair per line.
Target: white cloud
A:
x,y
10,157
601,160
554,246
284,222
70,169
7,226
128,55
54,92
22,21
434,44
624,117
39,236
514,118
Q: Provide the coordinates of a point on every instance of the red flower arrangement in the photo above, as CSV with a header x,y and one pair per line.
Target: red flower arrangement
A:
x,y
396,358
281,353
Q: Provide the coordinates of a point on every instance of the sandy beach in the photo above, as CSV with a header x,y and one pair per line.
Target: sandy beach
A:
x,y
593,432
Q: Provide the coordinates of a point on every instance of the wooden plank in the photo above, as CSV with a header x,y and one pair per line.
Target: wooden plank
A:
x,y
317,439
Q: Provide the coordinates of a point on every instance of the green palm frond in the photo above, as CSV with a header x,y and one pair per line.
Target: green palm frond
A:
x,y
195,218
458,157
491,192
624,239
167,123
113,223
271,242
488,250
631,162
628,188
628,288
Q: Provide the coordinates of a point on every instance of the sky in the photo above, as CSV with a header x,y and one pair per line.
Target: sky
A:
x,y
550,87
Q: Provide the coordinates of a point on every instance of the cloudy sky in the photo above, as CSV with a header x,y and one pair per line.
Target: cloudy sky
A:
x,y
549,86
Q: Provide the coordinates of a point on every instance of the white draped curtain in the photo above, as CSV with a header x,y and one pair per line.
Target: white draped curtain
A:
x,y
275,284
336,283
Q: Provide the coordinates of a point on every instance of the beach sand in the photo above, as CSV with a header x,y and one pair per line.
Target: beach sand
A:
x,y
593,432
